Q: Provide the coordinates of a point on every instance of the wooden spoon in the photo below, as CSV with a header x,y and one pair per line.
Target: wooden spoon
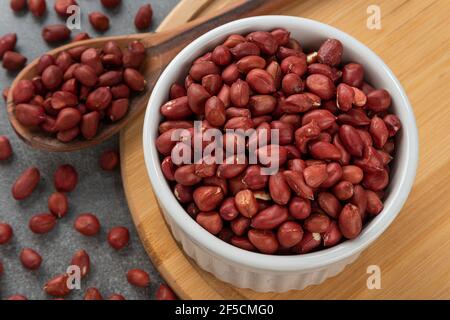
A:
x,y
161,47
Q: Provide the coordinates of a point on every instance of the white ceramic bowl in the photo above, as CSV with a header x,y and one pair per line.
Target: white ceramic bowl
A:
x,y
280,273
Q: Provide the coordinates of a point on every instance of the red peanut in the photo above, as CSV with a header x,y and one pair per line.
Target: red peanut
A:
x,y
292,84
92,294
248,63
13,60
354,117
353,174
61,7
289,234
317,222
246,204
111,3
239,93
30,259
99,21
228,210
353,74
274,69
297,183
58,204
18,5
55,33
165,293
208,198
89,124
233,40
270,218
315,175
109,160
343,190
118,237
294,64
243,49
345,96
329,203
7,43
81,36
221,55
211,221
379,132
325,151
261,81
279,189
26,183
203,68
5,148
240,225
134,80
374,204
378,100
6,233
23,91
212,83
65,178
300,208
138,278
264,40
264,240
184,194
351,140
359,199
42,223
37,7
87,224
143,17
332,236
309,242
334,171
231,168
254,179
57,286
350,223
393,124
330,52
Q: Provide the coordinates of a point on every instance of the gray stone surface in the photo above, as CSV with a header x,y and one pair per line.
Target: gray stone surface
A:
x,y
98,192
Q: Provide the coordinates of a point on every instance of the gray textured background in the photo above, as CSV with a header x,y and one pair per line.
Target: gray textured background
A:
x,y
97,191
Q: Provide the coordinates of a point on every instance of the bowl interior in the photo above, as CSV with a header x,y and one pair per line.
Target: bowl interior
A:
x,y
310,34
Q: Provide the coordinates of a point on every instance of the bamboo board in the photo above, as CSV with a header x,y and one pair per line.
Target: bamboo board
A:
x,y
414,253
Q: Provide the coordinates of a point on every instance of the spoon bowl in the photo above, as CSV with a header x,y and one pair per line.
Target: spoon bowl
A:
x,y
151,68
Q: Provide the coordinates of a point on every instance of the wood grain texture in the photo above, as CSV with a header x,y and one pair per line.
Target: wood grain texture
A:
x,y
414,253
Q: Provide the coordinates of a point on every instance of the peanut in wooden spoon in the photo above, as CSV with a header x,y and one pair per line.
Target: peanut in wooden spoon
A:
x,y
161,48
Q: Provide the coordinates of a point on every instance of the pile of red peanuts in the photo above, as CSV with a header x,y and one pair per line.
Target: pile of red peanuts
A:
x,y
70,95
67,101
74,91
65,181
13,60
336,143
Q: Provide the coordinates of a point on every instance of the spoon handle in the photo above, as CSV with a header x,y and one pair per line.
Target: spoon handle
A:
x,y
171,42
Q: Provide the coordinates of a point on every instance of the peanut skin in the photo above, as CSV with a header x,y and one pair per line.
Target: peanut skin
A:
x,y
350,223
95,82
325,133
26,183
